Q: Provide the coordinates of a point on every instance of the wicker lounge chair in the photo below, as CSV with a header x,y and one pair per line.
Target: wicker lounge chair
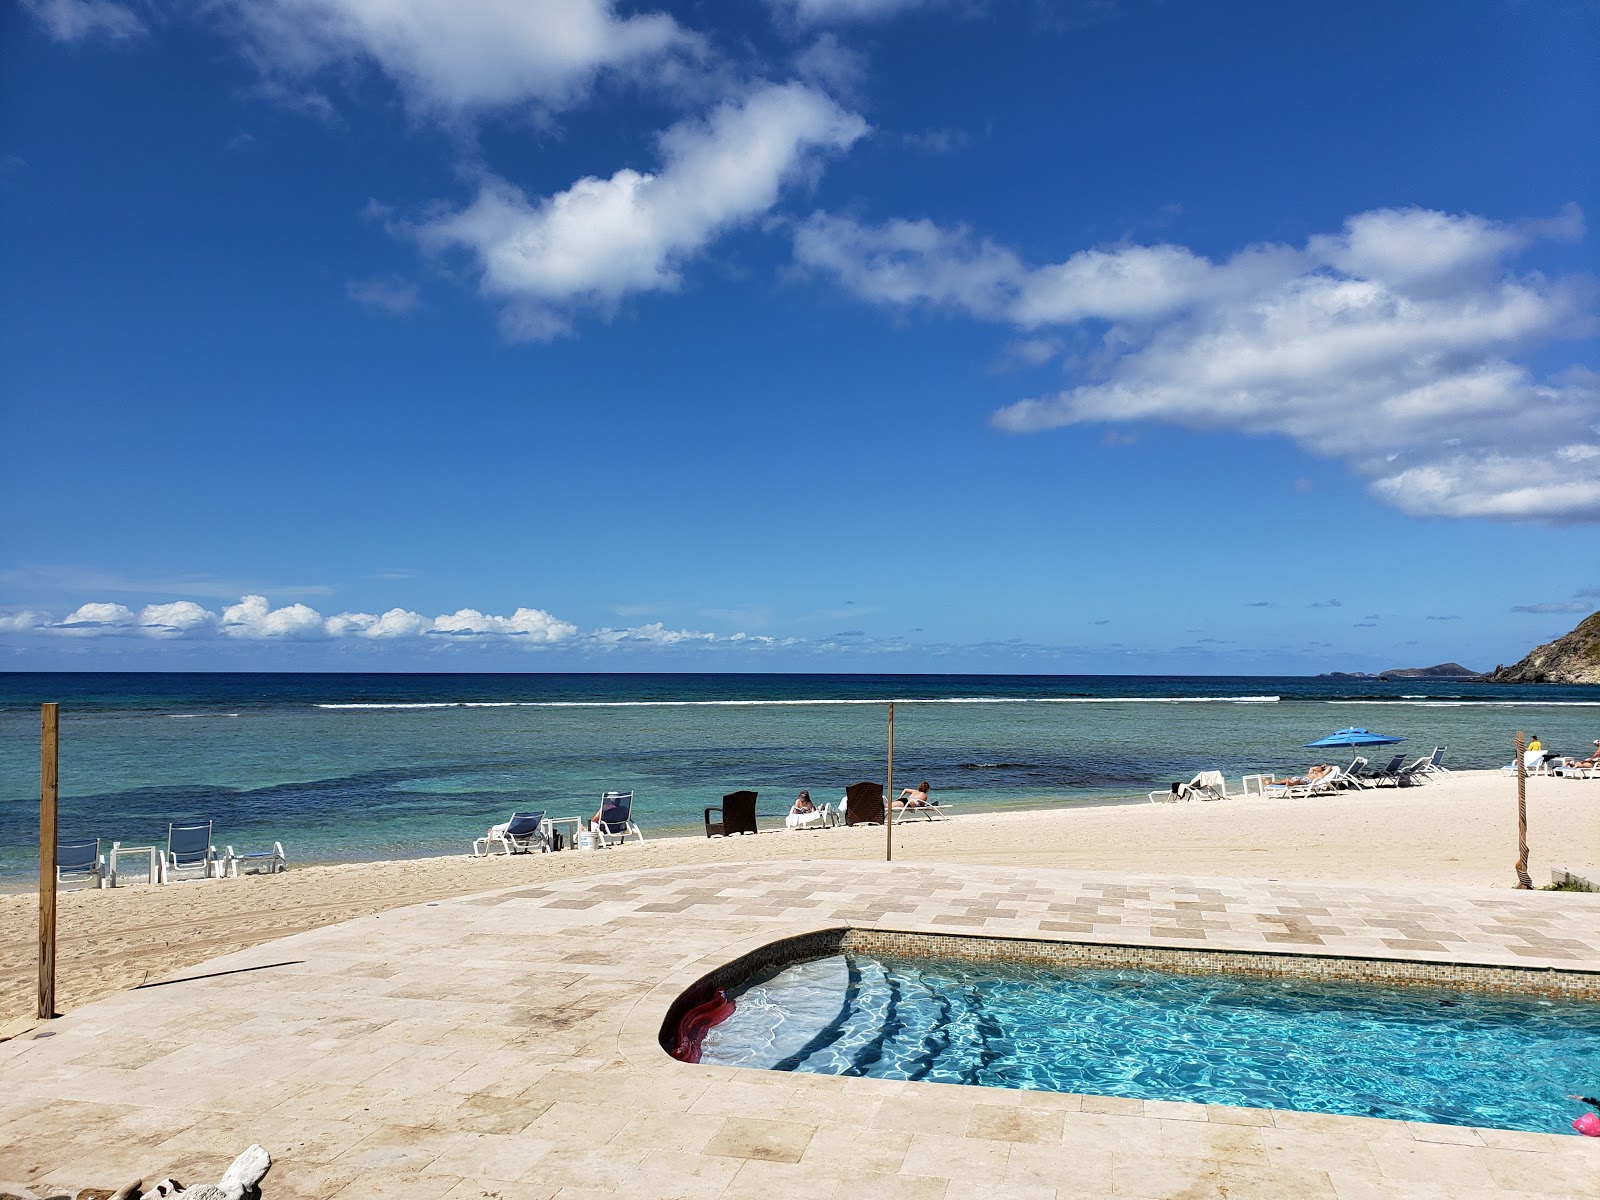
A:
x,y
863,804
736,814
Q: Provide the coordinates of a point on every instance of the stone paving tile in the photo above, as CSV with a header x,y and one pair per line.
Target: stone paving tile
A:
x,y
417,1056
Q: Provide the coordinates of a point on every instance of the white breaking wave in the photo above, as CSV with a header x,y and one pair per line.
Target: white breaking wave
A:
x,y
809,703
1473,703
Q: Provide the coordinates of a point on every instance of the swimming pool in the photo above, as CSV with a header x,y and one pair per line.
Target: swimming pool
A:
x,y
1408,1053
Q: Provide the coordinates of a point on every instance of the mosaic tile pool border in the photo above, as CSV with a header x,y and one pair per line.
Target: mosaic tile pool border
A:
x,y
1388,972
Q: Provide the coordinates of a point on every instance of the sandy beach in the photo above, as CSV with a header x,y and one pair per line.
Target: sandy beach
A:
x,y
1459,830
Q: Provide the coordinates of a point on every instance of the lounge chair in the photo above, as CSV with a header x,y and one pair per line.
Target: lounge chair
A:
x,y
189,849
80,862
1435,764
1355,775
522,833
1208,785
615,823
273,860
863,804
1385,775
1323,786
737,814
933,810
822,817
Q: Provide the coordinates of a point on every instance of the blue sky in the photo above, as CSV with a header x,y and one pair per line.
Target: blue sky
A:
x,y
801,335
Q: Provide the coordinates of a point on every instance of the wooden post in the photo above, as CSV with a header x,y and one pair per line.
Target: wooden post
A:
x,y
888,796
49,759
1524,882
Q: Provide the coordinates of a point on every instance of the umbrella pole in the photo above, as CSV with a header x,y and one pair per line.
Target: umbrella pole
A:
x,y
888,802
1524,882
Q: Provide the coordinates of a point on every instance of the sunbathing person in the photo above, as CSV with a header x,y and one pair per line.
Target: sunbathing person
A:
x,y
1592,761
916,797
805,813
1315,775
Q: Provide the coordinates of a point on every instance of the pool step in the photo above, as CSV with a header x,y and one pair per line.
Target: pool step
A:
x,y
901,1028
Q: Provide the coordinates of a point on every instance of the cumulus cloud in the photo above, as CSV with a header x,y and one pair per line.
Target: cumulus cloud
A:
x,y
74,20
1390,345
254,619
450,57
602,239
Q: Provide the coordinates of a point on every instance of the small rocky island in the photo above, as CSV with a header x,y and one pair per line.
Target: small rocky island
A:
x,y
1447,670
1573,658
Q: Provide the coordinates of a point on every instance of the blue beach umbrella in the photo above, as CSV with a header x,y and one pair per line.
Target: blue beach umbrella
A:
x,y
1352,737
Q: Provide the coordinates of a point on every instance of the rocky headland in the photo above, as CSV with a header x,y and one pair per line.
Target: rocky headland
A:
x,y
1573,658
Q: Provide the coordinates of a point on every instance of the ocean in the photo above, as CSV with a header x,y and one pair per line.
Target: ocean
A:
x,y
359,767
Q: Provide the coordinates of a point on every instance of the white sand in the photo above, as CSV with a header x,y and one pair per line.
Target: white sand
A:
x,y
1461,829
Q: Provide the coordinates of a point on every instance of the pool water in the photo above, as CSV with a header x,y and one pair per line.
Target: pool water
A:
x,y
1401,1053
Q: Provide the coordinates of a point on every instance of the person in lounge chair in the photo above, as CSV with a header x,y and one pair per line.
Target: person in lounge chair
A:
x,y
1315,775
1592,761
916,797
805,813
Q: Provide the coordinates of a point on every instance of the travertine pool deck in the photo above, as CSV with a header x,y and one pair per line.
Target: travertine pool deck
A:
x,y
504,1045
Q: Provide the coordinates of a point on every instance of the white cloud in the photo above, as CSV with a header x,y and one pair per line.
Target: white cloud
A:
x,y
912,262
386,295
832,65
451,57
254,618
179,619
73,20
815,12
23,621
1389,346
95,618
654,634
531,623
602,239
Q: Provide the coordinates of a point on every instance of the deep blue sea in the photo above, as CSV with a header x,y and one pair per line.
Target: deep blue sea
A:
x,y
362,767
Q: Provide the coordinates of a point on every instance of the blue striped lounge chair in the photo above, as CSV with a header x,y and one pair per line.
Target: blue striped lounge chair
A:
x,y
522,833
190,852
80,862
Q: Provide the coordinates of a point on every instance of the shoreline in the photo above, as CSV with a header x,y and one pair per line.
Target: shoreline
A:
x,y
27,885
1457,831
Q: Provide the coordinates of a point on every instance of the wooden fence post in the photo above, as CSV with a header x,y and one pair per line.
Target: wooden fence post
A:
x,y
49,761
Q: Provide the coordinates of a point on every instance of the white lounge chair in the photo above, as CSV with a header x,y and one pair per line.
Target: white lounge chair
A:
x,y
931,811
189,850
1208,785
273,860
822,817
520,833
1322,786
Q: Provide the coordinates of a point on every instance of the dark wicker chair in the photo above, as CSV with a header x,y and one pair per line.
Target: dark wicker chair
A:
x,y
863,804
738,813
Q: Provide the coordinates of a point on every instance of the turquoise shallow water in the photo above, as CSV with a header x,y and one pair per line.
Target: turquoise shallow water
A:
x,y
353,767
1404,1054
